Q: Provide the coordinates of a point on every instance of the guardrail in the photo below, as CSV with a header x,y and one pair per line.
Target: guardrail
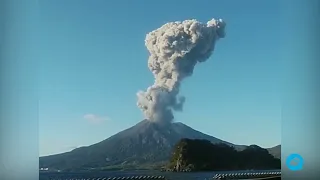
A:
x,y
248,175
120,178
228,175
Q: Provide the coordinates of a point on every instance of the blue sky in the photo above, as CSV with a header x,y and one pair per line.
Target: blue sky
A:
x,y
93,62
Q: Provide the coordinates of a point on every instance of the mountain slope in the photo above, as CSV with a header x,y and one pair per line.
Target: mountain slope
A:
x,y
144,143
202,155
275,151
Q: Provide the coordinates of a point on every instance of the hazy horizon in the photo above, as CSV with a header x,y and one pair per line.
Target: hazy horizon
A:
x,y
94,61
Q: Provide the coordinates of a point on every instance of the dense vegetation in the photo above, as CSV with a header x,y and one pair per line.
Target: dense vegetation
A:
x,y
202,155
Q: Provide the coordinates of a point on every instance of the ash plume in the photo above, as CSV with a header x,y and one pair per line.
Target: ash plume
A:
x,y
175,48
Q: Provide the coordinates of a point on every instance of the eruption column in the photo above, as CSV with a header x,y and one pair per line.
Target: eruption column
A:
x,y
175,49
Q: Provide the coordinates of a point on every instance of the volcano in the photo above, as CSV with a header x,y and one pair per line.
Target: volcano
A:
x,y
146,143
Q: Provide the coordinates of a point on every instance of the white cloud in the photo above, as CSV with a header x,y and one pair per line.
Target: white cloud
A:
x,y
93,118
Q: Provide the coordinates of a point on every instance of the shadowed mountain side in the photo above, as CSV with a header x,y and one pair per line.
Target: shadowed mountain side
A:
x,y
275,151
143,144
202,155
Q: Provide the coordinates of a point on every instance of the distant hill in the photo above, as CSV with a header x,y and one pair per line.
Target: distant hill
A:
x,y
275,151
140,146
202,155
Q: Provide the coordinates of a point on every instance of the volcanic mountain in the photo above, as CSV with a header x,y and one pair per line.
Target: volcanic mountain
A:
x,y
142,145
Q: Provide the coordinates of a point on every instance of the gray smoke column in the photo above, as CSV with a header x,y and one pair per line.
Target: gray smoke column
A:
x,y
175,49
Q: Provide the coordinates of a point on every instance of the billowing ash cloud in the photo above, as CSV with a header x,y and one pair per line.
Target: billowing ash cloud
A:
x,y
175,49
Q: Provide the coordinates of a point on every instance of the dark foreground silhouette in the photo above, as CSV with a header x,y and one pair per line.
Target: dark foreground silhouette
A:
x,y
202,155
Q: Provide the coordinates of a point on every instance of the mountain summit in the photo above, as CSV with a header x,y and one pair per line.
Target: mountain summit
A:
x,y
144,143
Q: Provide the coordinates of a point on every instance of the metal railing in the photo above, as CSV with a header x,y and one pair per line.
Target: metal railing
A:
x,y
248,175
228,175
118,178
